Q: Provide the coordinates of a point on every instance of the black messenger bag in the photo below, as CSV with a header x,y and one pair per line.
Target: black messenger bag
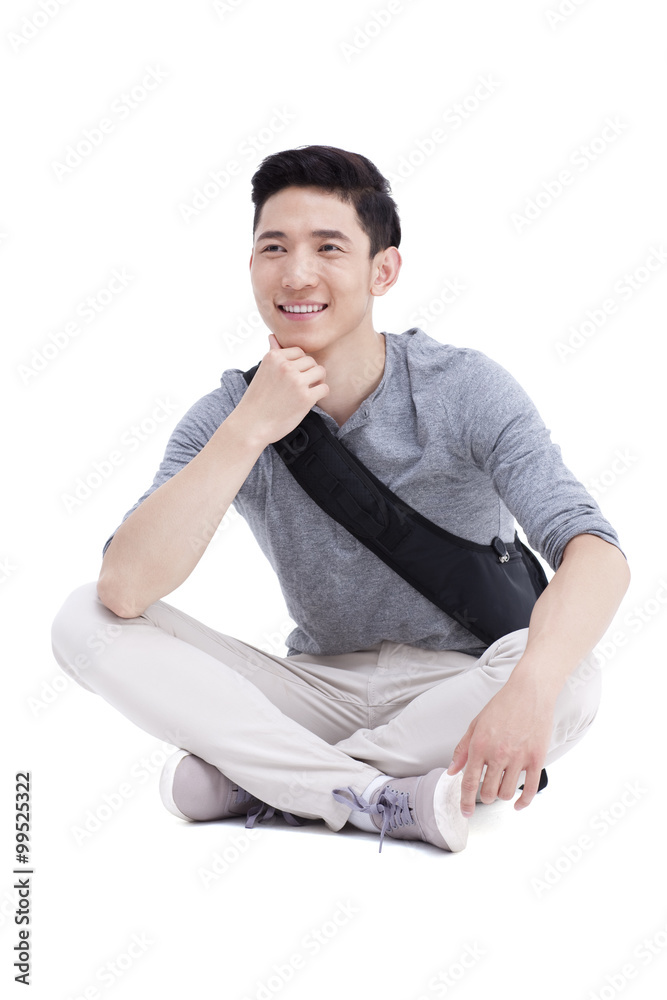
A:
x,y
488,589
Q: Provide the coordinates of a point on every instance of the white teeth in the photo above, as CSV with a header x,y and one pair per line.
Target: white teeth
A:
x,y
303,309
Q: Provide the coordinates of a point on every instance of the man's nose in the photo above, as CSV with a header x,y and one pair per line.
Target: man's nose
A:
x,y
299,271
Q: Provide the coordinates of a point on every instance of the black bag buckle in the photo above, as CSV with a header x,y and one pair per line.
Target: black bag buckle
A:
x,y
500,549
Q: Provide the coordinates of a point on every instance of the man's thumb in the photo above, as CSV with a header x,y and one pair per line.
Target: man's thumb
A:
x,y
460,757
273,343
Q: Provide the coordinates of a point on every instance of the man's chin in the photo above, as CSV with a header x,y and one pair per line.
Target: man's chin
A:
x,y
308,340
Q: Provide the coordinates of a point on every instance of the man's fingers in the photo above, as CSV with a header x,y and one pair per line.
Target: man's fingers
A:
x,y
460,755
491,784
508,785
294,352
469,786
458,761
530,787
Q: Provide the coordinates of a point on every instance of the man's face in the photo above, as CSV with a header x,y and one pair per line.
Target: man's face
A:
x,y
310,250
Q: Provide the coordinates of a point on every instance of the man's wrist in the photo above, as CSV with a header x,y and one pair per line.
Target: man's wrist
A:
x,y
539,677
246,430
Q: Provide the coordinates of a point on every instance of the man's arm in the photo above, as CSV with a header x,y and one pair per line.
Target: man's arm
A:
x,y
513,731
156,548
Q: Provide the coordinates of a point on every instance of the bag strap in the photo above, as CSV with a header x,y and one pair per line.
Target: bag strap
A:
x,y
485,590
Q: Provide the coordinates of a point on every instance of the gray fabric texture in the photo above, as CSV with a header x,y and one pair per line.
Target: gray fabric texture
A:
x,y
451,432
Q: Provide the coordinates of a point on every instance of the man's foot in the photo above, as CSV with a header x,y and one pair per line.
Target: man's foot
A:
x,y
427,807
195,790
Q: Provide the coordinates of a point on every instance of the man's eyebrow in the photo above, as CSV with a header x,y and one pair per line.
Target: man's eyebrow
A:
x,y
329,234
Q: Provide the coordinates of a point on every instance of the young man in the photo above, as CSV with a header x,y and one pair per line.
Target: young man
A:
x,y
386,712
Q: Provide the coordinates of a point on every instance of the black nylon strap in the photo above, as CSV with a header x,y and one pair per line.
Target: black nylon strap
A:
x,y
489,589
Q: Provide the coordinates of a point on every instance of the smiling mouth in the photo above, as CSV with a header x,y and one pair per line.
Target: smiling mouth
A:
x,y
303,309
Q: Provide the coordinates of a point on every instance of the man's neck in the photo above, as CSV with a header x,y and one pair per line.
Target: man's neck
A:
x,y
352,376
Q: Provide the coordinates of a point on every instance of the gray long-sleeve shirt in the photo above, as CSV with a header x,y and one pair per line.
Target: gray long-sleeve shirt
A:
x,y
451,432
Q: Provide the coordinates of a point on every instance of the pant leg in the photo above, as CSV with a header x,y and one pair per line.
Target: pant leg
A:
x,y
201,690
413,735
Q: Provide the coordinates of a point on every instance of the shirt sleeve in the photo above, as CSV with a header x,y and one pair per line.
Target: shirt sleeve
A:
x,y
188,438
508,440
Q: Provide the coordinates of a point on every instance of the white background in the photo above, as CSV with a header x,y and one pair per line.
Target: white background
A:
x,y
341,78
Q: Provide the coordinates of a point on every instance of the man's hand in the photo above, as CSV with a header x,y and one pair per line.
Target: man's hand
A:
x,y
513,731
286,385
510,735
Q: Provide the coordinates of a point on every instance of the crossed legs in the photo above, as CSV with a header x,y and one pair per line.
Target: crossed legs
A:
x,y
291,729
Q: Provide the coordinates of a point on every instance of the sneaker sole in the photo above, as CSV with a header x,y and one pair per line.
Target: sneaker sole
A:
x,y
450,821
167,783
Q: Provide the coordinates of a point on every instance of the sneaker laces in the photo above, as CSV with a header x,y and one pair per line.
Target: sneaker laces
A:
x,y
390,804
242,797
260,811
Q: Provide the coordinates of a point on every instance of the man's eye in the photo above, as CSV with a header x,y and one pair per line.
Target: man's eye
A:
x,y
274,247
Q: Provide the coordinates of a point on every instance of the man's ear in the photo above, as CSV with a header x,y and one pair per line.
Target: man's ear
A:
x,y
252,253
386,268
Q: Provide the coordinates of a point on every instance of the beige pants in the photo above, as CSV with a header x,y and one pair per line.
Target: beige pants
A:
x,y
291,729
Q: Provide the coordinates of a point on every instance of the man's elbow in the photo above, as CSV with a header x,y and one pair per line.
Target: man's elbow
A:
x,y
116,598
602,550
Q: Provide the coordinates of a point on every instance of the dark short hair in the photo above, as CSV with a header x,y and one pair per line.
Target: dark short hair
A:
x,y
352,177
